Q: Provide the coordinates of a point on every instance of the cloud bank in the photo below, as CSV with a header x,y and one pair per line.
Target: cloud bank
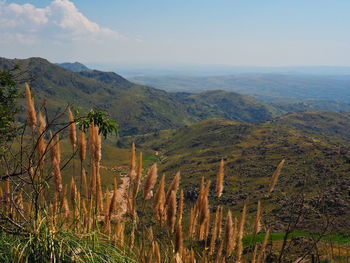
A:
x,y
61,21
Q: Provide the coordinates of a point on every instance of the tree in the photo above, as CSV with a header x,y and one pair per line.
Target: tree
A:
x,y
8,105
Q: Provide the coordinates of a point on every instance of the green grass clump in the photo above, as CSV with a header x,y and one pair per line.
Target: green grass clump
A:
x,y
63,245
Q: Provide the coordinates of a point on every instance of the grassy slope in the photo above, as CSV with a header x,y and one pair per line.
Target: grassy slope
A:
x,y
251,153
137,108
325,124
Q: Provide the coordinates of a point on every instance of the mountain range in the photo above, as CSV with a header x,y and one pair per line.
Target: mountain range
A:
x,y
137,108
288,91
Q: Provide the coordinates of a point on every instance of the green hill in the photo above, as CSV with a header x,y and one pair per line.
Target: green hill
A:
x,y
138,109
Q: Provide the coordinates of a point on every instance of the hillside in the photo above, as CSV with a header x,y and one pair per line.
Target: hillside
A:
x,y
251,152
333,126
138,109
265,87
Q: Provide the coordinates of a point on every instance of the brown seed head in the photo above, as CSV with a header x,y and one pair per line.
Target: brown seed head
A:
x,y
150,182
92,141
159,198
180,209
72,132
41,140
30,109
257,219
220,179
275,176
137,180
229,234
173,187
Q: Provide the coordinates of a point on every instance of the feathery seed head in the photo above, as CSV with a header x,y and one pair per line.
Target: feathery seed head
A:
x,y
30,109
150,182
72,132
220,179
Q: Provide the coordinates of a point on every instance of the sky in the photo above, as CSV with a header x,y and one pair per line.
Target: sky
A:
x,y
178,32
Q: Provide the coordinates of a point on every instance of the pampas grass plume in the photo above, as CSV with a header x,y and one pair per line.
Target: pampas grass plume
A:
x,y
85,183
72,132
180,209
275,176
41,140
159,198
220,179
56,174
137,180
30,109
257,219
150,181
173,187
229,234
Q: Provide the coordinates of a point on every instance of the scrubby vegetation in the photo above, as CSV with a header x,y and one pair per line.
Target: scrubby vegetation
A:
x,y
145,217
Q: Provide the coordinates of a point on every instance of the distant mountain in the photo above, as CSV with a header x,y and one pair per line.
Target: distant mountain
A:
x,y
312,105
138,109
75,67
265,87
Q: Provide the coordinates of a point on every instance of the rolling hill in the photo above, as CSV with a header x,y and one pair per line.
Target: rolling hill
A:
x,y
137,108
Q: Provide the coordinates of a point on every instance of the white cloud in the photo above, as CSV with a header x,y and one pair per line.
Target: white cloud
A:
x,y
59,22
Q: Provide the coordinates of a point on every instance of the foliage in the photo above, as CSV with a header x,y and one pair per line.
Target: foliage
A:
x,y
8,105
100,118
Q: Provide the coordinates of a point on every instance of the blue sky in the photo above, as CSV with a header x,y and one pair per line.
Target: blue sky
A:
x,y
221,32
